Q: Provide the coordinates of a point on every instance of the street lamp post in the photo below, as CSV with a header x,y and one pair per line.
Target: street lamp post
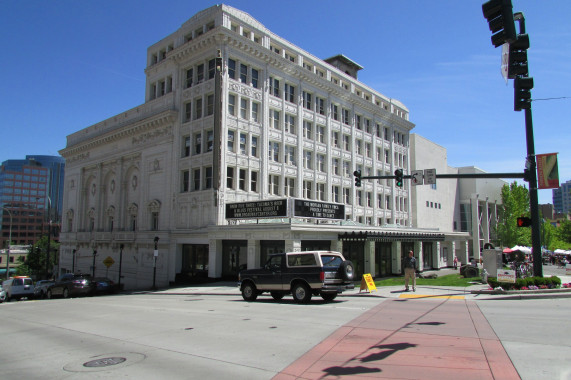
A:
x,y
93,267
155,254
9,244
49,241
73,261
120,262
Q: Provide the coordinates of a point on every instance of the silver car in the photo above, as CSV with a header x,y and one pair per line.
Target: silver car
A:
x,y
41,288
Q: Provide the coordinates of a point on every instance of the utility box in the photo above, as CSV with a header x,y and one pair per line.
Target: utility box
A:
x,y
492,261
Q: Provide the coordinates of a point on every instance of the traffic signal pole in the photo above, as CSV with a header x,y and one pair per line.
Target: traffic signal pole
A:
x,y
533,196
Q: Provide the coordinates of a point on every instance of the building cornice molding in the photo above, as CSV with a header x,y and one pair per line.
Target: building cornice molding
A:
x,y
142,131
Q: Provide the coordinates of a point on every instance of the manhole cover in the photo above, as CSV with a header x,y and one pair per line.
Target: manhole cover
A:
x,y
105,362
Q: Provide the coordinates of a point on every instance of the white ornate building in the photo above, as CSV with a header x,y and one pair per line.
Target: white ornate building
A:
x,y
234,113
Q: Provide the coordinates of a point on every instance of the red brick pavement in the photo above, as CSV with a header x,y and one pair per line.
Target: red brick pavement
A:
x,y
416,338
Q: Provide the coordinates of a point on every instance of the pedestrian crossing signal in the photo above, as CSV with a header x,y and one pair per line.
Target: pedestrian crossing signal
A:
x,y
524,222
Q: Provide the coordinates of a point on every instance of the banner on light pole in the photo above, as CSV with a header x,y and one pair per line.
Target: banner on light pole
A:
x,y
547,171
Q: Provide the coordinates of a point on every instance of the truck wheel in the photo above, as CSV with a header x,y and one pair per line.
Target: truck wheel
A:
x,y
49,294
65,293
277,295
249,292
328,297
346,270
301,293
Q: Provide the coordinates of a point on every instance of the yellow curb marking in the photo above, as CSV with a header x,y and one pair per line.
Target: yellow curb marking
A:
x,y
430,296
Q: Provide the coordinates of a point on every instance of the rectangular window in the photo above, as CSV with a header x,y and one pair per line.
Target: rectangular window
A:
x,y
347,195
232,104
335,112
320,105
243,73
273,184
320,162
335,194
211,68
209,105
187,111
347,143
244,108
289,189
231,69
290,155
307,129
275,119
346,116
254,146
229,178
336,166
208,178
209,141
274,151
254,182
197,143
320,189
243,137
358,122
290,123
307,189
186,146
307,159
335,138
242,180
189,77
231,141
185,181
200,73
307,100
254,78
320,134
289,93
196,181
274,87
255,112
198,108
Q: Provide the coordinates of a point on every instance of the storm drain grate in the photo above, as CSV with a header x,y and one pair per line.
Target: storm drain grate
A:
x,y
104,362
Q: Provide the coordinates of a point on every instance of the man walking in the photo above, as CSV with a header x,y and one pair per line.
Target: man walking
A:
x,y
410,271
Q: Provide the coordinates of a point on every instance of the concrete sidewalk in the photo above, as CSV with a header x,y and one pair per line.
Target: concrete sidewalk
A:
x,y
409,338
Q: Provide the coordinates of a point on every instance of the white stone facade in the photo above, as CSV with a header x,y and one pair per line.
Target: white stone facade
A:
x,y
276,123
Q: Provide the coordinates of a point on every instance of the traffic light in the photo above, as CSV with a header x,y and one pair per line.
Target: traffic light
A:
x,y
398,177
501,21
522,93
523,221
517,61
357,174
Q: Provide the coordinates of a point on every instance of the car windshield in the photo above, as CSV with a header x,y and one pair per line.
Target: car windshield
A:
x,y
331,261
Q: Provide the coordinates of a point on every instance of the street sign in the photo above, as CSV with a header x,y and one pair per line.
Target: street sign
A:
x,y
430,176
416,177
505,61
108,261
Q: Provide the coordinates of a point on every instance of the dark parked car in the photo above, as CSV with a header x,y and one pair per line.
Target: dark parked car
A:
x,y
72,285
104,285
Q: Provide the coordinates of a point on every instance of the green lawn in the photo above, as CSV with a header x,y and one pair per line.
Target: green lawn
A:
x,y
448,280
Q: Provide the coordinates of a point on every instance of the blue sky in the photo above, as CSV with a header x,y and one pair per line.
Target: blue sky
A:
x,y
68,64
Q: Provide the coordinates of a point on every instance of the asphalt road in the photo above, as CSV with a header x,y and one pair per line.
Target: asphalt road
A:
x,y
163,336
213,336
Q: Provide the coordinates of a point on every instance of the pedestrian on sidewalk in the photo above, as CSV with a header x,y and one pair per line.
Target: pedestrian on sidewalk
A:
x,y
410,271
455,262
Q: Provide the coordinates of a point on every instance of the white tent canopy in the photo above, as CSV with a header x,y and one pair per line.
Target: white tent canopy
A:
x,y
523,249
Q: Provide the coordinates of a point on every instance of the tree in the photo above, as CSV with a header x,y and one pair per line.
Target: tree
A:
x,y
35,263
515,201
564,232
